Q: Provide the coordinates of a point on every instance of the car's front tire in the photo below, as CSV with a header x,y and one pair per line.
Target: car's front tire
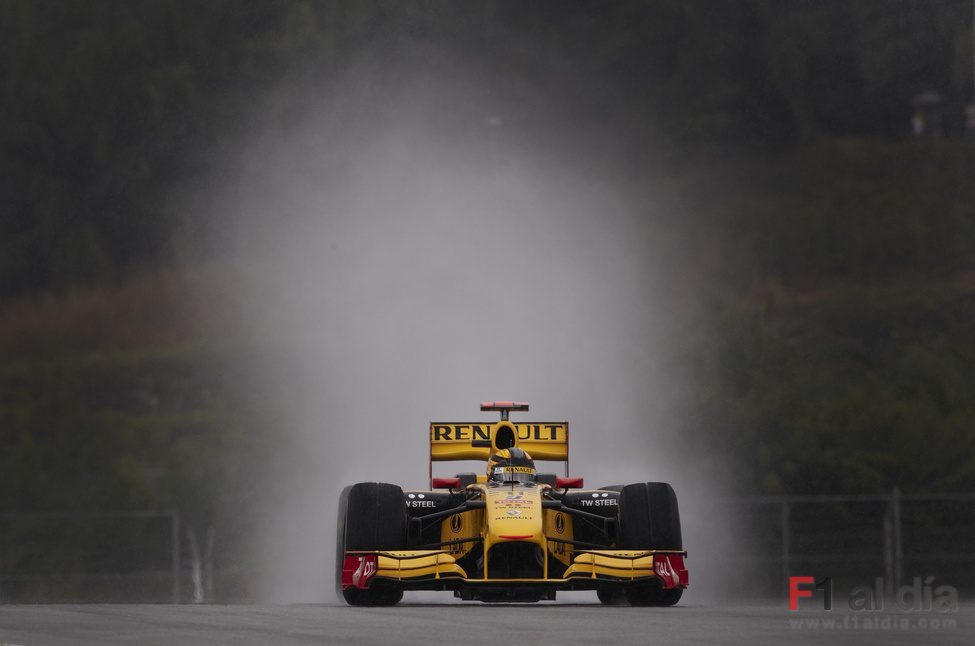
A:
x,y
652,595
371,516
611,596
648,519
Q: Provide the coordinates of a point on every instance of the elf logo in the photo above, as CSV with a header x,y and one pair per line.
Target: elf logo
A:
x,y
365,571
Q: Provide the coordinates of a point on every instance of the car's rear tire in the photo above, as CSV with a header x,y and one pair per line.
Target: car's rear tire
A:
x,y
371,516
649,519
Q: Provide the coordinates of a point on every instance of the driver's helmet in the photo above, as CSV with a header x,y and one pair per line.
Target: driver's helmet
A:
x,y
511,465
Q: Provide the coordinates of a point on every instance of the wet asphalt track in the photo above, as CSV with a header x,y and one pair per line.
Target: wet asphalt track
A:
x,y
462,624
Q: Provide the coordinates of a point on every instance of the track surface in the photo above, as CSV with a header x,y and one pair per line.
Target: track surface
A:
x,y
460,624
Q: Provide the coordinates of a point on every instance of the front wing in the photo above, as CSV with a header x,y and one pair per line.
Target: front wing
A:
x,y
438,570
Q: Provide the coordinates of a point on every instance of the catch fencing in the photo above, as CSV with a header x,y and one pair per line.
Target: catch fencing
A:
x,y
137,556
115,556
857,539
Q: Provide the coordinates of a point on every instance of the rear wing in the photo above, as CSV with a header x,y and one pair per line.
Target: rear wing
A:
x,y
450,441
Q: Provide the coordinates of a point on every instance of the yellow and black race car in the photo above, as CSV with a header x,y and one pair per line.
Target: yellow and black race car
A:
x,y
511,534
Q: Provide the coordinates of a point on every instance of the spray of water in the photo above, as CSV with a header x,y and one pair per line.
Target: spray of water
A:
x,y
410,253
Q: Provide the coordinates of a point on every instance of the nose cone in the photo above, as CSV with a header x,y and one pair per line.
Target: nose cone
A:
x,y
514,514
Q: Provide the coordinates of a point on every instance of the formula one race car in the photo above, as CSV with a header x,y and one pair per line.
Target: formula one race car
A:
x,y
512,534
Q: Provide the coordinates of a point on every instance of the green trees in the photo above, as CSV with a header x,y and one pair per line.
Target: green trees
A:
x,y
107,111
113,399
843,355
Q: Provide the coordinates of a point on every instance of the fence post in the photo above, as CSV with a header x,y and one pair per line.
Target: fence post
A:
x,y
888,551
175,554
785,542
893,548
895,508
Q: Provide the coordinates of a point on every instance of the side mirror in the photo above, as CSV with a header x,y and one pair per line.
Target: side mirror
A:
x,y
445,483
568,483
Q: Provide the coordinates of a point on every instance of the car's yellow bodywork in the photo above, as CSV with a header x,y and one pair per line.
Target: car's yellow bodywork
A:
x,y
517,541
513,514
405,565
477,440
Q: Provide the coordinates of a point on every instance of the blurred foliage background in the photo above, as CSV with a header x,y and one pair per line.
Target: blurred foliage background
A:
x,y
837,251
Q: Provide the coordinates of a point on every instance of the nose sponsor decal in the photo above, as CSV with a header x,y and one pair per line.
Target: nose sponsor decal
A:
x,y
512,499
506,502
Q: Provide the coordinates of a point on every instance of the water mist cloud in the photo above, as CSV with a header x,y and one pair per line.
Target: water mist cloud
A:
x,y
405,268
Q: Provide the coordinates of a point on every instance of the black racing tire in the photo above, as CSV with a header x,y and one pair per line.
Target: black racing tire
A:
x,y
649,517
375,595
371,516
652,595
340,538
611,596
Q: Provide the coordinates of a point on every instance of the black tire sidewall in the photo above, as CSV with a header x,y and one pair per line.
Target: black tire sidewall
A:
x,y
634,532
375,517
649,517
611,596
664,517
372,516
343,507
652,596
